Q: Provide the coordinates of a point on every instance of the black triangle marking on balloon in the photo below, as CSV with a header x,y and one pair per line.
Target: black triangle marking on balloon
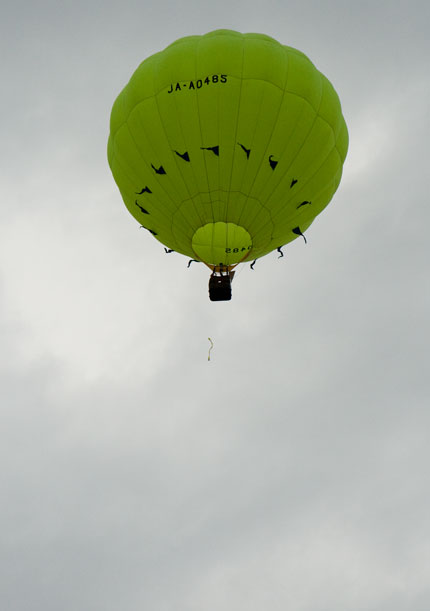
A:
x,y
144,190
272,162
298,231
214,149
159,170
150,230
293,182
245,150
183,156
141,208
305,203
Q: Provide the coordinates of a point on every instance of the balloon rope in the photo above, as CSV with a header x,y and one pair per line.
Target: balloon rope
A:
x,y
212,345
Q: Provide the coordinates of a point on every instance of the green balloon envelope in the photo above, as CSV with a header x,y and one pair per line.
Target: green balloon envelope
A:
x,y
227,146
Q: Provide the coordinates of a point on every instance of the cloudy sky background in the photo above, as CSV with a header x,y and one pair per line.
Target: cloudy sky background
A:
x,y
292,470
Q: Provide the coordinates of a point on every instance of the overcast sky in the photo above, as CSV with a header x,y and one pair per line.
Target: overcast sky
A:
x,y
291,472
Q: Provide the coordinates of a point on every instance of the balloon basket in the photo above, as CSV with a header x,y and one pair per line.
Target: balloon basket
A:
x,y
220,287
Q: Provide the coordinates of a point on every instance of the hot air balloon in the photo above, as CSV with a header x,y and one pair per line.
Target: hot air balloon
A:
x,y
226,147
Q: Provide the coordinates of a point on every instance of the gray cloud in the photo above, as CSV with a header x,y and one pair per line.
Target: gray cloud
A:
x,y
291,469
